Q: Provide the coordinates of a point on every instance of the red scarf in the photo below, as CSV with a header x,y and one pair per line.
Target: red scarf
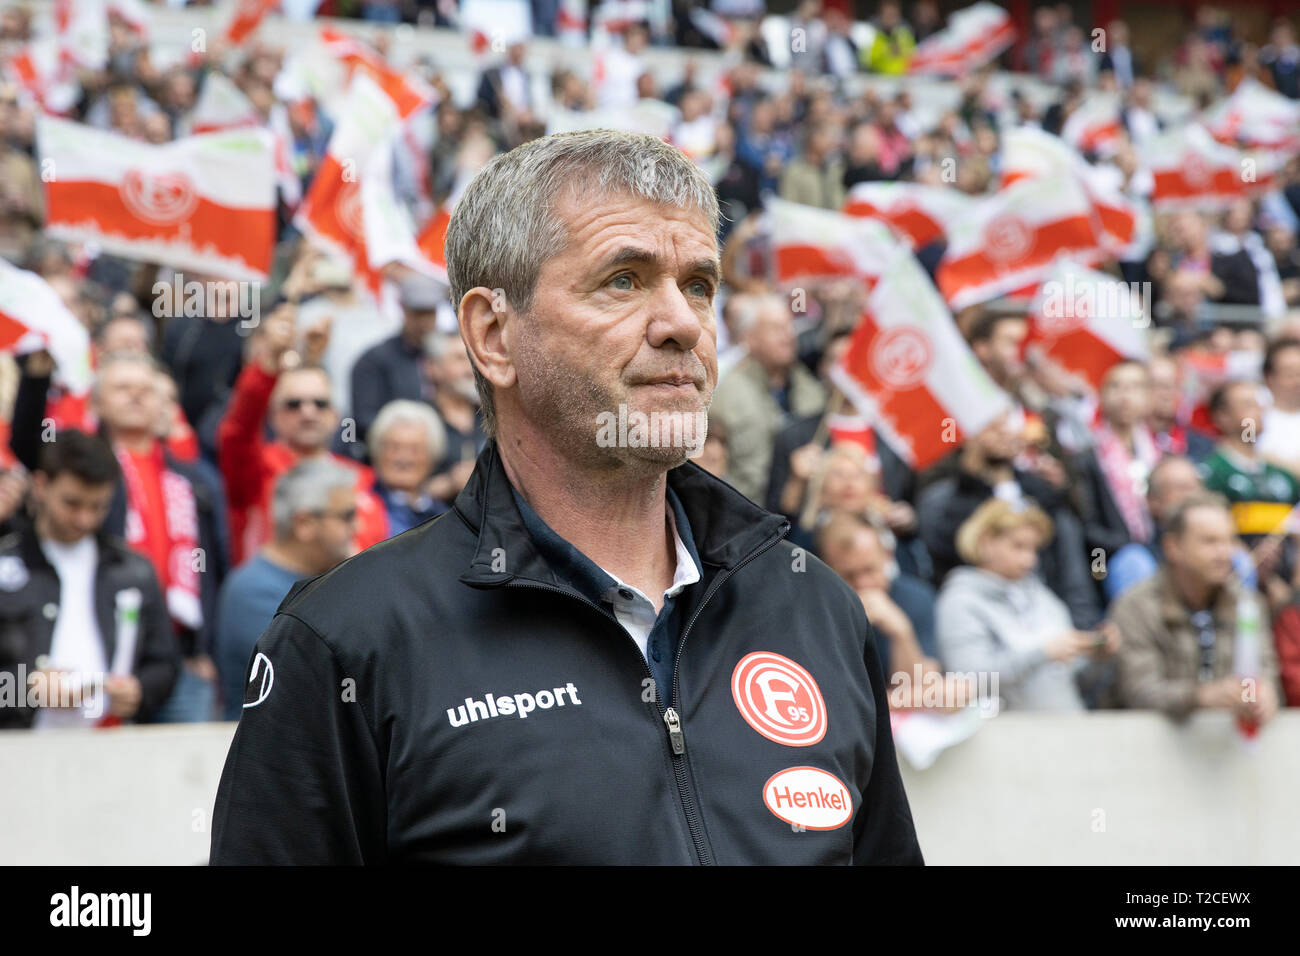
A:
x,y
1126,473
162,523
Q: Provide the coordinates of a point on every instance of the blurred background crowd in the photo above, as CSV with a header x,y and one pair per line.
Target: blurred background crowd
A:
x,y
1127,542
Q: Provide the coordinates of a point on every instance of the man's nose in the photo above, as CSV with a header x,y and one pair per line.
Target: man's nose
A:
x,y
673,319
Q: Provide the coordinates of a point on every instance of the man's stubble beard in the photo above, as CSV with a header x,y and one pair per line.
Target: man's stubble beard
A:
x,y
569,405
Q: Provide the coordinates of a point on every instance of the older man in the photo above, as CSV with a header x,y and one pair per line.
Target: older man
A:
x,y
603,654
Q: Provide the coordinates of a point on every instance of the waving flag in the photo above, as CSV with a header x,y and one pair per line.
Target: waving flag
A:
x,y
1255,117
243,17
973,37
811,243
1010,239
202,202
32,316
222,105
911,373
917,212
1087,321
408,93
1094,127
1123,224
1192,171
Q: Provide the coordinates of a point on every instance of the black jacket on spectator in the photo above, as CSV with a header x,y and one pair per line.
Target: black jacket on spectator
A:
x,y
27,627
465,607
204,357
944,504
389,370
1103,525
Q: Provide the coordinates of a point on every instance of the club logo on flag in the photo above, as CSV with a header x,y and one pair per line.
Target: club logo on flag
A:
x,y
901,357
1008,238
1196,171
160,199
347,207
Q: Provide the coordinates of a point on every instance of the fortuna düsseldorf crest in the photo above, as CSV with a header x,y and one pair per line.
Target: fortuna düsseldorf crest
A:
x,y
160,199
779,699
901,356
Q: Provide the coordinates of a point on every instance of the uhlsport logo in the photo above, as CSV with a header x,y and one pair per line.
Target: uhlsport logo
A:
x,y
779,699
809,798
901,357
160,199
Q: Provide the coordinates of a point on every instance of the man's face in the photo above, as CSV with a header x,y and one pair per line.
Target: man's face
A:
x,y
418,323
404,458
999,443
1164,393
1241,411
1125,395
1176,481
127,397
124,335
1000,353
453,371
771,340
1204,550
302,414
70,509
1284,382
863,563
330,533
622,316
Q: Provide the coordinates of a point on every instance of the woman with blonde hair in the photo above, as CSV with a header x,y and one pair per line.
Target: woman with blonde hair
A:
x,y
995,615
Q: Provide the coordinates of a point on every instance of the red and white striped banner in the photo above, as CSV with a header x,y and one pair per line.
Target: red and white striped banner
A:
x,y
972,38
222,105
917,212
1010,239
1086,321
32,317
1192,171
814,244
205,203
407,93
1095,126
911,373
1255,117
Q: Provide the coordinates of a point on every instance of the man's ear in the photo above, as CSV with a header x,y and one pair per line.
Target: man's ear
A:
x,y
485,319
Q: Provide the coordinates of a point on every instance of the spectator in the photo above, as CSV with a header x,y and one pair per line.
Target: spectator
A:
x,y
1261,493
622,66
1113,473
405,441
314,509
713,456
505,91
1281,57
1117,56
816,178
762,392
395,367
302,419
456,400
76,605
995,615
1165,416
1181,627
1279,438
899,606
892,47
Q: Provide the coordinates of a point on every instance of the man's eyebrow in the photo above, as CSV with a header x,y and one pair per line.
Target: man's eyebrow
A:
x,y
631,254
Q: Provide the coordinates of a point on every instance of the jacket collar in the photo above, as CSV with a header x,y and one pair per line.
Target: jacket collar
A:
x,y
727,527
29,547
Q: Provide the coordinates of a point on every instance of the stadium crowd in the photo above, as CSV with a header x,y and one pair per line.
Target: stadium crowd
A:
x,y
1128,545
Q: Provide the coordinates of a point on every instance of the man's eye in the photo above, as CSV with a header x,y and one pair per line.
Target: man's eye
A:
x,y
622,281
700,287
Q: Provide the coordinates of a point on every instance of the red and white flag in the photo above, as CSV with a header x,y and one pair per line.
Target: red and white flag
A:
x,y
407,93
1255,117
389,232
1123,224
571,22
911,373
492,25
973,37
917,212
45,74
1010,239
812,244
1095,126
205,203
1086,321
243,17
432,241
332,211
222,105
1192,171
32,317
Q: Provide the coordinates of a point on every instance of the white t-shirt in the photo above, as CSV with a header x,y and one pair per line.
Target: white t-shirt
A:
x,y
77,645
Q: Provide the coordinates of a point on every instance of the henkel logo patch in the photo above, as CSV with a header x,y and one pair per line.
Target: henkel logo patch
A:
x,y
160,199
808,797
779,699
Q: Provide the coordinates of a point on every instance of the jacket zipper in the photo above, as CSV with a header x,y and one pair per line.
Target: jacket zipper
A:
x,y
672,720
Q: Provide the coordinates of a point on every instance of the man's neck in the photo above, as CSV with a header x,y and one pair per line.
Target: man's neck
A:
x,y
1192,591
614,515
1124,433
289,556
137,441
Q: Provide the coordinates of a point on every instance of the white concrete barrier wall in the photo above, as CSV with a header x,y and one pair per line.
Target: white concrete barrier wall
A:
x,y
1106,788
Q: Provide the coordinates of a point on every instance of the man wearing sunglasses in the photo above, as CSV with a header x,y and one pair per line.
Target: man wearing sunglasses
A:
x,y
277,388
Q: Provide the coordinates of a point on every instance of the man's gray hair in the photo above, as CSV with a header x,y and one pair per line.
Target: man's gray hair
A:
x,y
405,410
505,225
306,487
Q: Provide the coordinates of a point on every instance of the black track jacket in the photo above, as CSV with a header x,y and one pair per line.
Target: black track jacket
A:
x,y
443,697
